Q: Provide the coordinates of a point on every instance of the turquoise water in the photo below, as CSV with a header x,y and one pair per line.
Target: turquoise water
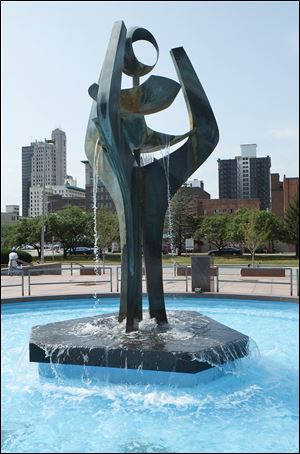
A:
x,y
254,409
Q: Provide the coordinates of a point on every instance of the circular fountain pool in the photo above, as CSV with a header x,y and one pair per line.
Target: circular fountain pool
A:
x,y
253,408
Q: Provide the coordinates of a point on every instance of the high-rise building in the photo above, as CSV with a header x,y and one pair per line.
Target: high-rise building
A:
x,y
104,199
228,188
54,155
27,153
60,162
246,177
34,157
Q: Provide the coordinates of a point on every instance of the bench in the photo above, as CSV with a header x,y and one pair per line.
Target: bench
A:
x,y
89,271
181,270
42,269
263,272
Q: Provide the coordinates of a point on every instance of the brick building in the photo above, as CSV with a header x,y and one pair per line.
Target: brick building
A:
x,y
282,192
220,206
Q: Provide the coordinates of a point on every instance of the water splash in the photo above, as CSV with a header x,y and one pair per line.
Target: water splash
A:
x,y
96,235
166,163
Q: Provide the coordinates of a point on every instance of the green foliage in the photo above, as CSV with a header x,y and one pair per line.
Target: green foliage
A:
x,y
25,256
183,223
291,221
255,234
7,235
28,231
265,221
215,229
107,228
252,228
71,227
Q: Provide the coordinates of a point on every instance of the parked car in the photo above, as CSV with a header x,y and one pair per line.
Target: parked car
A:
x,y
225,251
83,250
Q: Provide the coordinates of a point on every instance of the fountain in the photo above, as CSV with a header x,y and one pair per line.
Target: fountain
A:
x,y
117,135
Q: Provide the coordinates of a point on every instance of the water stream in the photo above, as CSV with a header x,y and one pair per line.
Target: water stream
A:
x,y
96,235
166,162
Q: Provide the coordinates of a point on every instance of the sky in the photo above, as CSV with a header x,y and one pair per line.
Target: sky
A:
x,y
246,56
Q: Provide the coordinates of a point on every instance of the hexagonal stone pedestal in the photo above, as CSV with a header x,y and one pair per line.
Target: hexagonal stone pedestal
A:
x,y
190,344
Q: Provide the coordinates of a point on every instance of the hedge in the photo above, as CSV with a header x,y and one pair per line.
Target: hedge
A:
x,y
22,255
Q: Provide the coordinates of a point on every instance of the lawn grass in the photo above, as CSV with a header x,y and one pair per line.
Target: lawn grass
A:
x,y
245,259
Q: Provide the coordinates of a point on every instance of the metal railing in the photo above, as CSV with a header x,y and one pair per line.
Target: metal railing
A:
x,y
221,276
169,279
240,281
19,273
71,269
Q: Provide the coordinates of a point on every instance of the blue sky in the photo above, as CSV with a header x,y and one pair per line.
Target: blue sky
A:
x,y
245,54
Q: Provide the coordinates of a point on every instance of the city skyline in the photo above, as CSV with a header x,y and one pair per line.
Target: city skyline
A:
x,y
245,53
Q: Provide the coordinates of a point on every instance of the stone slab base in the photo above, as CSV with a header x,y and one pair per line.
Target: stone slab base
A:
x,y
191,343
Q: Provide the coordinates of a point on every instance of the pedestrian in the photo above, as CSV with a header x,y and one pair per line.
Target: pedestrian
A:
x,y
13,267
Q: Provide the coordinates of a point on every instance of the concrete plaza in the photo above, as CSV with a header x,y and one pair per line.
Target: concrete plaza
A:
x,y
71,282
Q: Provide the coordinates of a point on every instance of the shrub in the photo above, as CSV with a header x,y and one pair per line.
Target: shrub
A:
x,y
22,255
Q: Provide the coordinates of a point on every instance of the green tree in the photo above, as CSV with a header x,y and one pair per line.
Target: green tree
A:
x,y
179,222
71,227
214,228
291,221
7,235
252,228
107,229
256,234
28,231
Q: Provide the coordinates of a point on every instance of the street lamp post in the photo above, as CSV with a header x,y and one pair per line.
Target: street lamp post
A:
x,y
43,202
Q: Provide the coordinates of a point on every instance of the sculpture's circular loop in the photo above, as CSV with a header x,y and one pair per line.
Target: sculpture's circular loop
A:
x,y
132,66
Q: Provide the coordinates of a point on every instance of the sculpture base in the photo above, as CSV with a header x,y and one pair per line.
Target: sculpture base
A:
x,y
95,375
190,344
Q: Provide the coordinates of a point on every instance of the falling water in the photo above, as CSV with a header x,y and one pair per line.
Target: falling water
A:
x,y
147,158
96,236
166,163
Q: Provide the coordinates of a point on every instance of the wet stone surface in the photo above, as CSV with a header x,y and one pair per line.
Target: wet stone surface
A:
x,y
191,343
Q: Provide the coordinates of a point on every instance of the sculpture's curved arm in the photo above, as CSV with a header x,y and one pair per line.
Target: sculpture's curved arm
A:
x,y
185,161
200,111
109,88
155,94
156,140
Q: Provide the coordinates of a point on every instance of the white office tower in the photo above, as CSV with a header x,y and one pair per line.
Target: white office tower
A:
x,y
53,156
59,137
48,169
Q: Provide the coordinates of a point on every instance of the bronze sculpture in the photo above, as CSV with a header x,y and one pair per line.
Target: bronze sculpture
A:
x,y
116,136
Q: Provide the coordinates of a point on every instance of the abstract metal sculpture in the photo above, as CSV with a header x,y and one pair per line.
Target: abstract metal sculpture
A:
x,y
116,136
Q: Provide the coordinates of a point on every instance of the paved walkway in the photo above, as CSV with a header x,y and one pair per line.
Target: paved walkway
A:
x,y
230,282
